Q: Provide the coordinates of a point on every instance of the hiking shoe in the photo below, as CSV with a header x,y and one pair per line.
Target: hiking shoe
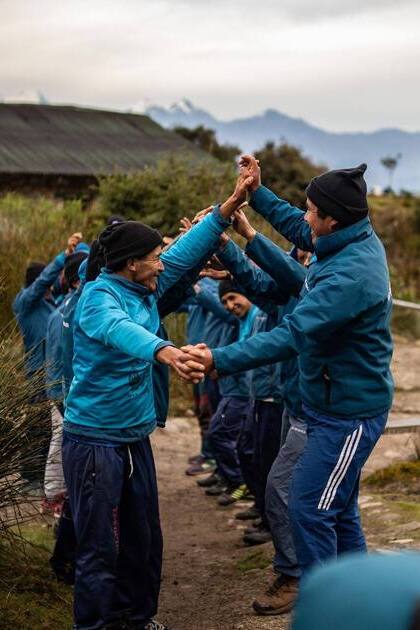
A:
x,y
155,625
258,537
212,480
219,488
248,515
199,468
279,598
195,459
256,526
232,494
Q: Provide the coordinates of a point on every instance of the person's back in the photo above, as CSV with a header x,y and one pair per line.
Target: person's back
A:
x,y
32,311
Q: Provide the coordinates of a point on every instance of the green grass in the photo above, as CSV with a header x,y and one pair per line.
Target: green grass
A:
x,y
400,472
30,596
254,560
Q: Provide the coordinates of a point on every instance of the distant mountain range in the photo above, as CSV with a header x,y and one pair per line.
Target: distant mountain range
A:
x,y
335,150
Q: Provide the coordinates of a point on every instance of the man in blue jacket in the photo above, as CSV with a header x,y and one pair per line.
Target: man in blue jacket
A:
x,y
341,331
32,307
110,413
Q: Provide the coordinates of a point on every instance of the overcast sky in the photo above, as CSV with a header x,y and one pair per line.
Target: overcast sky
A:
x,y
339,65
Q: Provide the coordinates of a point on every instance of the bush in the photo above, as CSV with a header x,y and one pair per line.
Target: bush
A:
x,y
35,229
160,196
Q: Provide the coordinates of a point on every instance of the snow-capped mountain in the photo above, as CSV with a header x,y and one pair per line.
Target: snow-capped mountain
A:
x,y
35,97
336,150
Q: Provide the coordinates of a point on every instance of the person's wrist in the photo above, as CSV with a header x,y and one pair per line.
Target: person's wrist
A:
x,y
250,234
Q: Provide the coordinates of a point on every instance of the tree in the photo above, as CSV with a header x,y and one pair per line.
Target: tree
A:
x,y
206,139
390,163
287,172
161,195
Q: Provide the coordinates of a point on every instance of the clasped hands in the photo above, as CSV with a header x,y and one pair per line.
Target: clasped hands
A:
x,y
195,362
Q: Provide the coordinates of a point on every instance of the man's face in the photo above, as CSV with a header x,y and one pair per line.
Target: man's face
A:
x,y
319,226
145,271
236,304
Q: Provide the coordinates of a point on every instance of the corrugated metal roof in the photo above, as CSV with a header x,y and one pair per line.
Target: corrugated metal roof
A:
x,y
65,140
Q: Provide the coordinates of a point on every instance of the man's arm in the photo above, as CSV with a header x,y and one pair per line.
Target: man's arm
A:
x,y
285,218
258,284
36,291
194,246
287,272
211,302
202,239
102,318
328,306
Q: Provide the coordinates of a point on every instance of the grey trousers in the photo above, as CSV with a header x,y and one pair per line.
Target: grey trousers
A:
x,y
276,496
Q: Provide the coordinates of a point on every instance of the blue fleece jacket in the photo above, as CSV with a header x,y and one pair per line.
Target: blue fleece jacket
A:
x,y
69,309
115,342
32,312
54,355
341,327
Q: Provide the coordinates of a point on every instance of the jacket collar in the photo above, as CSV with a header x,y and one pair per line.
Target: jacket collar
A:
x,y
331,243
115,278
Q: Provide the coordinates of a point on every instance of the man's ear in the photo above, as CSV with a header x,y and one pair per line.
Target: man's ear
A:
x,y
333,224
131,264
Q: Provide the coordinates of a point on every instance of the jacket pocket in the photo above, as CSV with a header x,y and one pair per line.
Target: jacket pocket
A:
x,y
327,384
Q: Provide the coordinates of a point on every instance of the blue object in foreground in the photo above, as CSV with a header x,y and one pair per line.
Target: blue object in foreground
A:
x,y
361,592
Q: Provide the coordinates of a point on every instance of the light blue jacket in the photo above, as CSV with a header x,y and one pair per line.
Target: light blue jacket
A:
x,y
54,355
341,327
68,311
32,312
115,342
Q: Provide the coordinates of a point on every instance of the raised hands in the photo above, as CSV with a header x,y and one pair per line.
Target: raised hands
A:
x,y
241,224
250,168
72,242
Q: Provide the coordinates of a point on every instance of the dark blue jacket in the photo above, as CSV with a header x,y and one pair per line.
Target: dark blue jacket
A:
x,y
341,327
266,288
32,312
289,275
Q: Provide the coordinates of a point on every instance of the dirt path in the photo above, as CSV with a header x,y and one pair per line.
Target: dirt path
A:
x,y
210,578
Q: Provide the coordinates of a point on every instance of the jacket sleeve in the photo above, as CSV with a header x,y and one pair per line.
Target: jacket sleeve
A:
x,y
36,291
103,319
54,356
198,243
286,219
258,284
328,306
211,302
285,270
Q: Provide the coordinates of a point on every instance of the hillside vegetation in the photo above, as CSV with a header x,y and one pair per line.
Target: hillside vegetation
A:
x,y
36,228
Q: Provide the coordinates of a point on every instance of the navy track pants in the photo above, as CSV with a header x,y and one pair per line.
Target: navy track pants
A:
x,y
323,496
114,503
225,427
267,432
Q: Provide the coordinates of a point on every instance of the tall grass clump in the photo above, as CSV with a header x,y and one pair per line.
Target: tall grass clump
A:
x,y
35,229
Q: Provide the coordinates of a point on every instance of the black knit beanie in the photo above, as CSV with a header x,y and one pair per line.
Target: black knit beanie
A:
x,y
341,194
230,286
130,239
33,270
71,267
115,218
